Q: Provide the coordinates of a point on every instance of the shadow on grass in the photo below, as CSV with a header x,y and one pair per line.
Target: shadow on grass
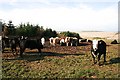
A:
x,y
34,56
113,61
84,44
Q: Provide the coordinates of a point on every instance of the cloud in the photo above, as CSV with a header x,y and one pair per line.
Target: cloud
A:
x,y
82,17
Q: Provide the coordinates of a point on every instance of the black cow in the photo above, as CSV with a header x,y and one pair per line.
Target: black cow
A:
x,y
31,44
98,48
89,41
14,43
114,42
10,43
5,42
82,40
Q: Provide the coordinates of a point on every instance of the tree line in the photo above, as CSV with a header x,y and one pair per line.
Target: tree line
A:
x,y
31,30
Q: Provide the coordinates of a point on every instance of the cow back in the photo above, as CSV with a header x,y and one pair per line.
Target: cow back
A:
x,y
31,43
101,46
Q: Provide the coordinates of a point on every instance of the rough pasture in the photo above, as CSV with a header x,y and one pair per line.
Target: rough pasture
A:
x,y
61,62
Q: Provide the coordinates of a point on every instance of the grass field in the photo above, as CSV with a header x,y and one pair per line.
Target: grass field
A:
x,y
61,62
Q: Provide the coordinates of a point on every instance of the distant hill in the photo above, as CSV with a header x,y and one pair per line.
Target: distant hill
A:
x,y
100,34
91,31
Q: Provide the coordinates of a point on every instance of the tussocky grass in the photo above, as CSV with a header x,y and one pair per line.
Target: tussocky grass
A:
x,y
71,62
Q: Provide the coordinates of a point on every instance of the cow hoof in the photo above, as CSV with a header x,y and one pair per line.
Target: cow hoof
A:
x,y
95,62
100,64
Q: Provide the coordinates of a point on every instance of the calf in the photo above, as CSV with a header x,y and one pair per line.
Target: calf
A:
x,y
98,48
31,44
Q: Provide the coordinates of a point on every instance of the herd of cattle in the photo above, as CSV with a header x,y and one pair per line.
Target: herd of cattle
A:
x,y
97,47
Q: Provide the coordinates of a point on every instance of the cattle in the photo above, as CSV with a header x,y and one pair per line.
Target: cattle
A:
x,y
51,40
12,43
43,41
67,41
89,41
71,40
31,44
62,41
54,41
82,40
74,41
114,42
5,42
98,48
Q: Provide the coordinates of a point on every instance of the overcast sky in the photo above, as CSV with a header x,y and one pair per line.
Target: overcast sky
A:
x,y
63,15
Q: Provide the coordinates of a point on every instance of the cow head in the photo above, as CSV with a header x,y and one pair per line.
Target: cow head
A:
x,y
95,45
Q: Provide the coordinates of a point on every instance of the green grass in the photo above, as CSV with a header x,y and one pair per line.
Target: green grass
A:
x,y
65,66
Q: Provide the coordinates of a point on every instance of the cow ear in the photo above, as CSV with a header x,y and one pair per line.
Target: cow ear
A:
x,y
99,42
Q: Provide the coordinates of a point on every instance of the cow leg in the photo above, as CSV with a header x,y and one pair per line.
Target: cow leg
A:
x,y
71,44
67,44
76,44
2,49
104,57
21,51
94,60
99,58
16,51
39,51
13,52
93,57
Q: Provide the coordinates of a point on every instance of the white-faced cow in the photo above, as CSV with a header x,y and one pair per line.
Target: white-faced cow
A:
x,y
97,49
31,44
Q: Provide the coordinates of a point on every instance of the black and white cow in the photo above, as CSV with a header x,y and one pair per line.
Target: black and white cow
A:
x,y
31,44
72,41
97,49
54,41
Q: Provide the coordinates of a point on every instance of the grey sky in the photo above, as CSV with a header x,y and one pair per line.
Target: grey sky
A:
x,y
63,15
